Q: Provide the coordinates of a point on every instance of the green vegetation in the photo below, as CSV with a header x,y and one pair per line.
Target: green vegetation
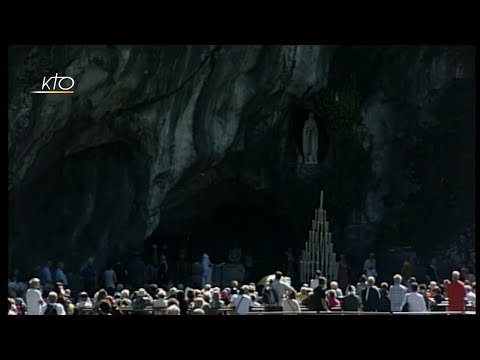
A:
x,y
351,173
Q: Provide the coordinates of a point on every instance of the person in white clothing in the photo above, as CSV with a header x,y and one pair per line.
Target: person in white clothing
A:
x,y
415,301
159,302
242,301
470,296
290,304
280,287
33,298
84,301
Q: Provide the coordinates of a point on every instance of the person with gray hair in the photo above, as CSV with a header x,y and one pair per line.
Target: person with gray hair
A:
x,y
172,310
53,307
456,292
397,294
198,311
34,298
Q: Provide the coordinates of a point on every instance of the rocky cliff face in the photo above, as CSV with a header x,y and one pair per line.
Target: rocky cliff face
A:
x,y
162,140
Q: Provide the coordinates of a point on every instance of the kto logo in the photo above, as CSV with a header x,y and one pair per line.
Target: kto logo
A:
x,y
64,83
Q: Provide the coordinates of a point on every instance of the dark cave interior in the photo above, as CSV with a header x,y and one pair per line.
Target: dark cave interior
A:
x,y
244,217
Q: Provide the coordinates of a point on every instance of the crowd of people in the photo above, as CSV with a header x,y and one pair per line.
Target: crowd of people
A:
x,y
277,294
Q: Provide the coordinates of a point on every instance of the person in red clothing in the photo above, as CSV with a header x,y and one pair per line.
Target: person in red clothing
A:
x,y
456,292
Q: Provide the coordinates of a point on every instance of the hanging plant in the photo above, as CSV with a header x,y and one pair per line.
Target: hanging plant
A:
x,y
341,111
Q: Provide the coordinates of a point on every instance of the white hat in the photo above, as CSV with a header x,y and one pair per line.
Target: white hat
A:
x,y
141,292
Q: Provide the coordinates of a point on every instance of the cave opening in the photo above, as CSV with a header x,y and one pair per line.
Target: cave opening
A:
x,y
246,219
299,116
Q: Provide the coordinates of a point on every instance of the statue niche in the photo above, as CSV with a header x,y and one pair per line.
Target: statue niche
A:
x,y
310,140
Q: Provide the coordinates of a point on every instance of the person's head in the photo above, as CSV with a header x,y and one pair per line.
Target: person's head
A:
x,y
83,296
190,294
436,291
363,278
216,296
334,285
49,263
278,275
253,297
11,304
198,311
207,287
234,284
351,289
173,301
180,295
397,279
125,294
105,306
172,310
141,293
198,303
207,296
422,288
34,283
455,275
59,289
464,271
160,294
60,265
52,297
153,288
414,286
332,294
102,294
371,281
384,285
318,273
411,280
322,282
468,288
432,285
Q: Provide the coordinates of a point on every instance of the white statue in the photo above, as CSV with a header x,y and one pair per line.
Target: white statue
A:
x,y
310,140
